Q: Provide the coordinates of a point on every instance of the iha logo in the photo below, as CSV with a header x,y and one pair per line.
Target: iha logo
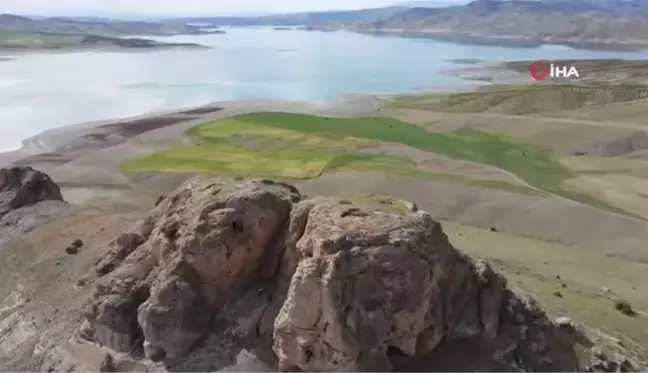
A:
x,y
543,70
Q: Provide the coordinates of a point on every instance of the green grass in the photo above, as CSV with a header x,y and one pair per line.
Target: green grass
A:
x,y
227,159
281,146
33,40
263,138
311,138
535,166
532,165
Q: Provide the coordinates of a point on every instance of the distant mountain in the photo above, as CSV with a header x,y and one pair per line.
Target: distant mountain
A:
x,y
301,19
419,9
75,33
432,3
588,23
33,41
614,6
93,25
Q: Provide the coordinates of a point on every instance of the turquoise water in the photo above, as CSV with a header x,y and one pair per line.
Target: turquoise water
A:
x,y
39,92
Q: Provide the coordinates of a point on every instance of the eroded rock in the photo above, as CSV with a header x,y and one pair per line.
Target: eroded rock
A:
x,y
28,198
367,281
344,287
602,362
187,257
25,186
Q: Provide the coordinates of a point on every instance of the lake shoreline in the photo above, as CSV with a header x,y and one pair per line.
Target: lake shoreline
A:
x,y
8,54
510,41
347,104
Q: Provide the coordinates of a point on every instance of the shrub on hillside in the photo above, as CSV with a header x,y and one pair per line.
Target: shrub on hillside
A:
x,y
625,308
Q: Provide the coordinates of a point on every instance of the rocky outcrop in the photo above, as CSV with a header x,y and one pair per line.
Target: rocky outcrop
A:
x,y
348,288
602,362
28,197
24,186
194,249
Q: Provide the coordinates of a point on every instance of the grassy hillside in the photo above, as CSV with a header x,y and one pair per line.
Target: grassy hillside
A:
x,y
258,145
305,146
523,99
11,39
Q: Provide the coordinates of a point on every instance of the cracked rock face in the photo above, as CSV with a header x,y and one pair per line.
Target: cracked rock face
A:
x,y
367,282
170,276
351,288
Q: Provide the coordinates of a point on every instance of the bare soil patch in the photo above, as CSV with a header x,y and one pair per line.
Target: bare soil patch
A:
x,y
588,281
620,146
608,165
626,191
48,279
549,218
205,110
562,136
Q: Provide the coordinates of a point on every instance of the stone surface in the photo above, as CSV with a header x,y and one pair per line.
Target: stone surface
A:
x,y
602,362
196,247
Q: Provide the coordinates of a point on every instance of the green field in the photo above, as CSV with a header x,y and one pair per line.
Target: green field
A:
x,y
34,40
310,145
227,159
532,165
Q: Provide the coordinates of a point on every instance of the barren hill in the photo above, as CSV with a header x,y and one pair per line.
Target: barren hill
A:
x,y
518,21
253,276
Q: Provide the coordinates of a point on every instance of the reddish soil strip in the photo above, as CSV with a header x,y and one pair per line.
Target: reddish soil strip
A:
x,y
199,111
116,133
113,134
139,126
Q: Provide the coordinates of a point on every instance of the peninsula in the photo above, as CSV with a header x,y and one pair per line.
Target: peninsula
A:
x,y
18,33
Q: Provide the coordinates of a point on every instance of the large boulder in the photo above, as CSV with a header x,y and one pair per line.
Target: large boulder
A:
x,y
182,264
25,186
350,288
28,198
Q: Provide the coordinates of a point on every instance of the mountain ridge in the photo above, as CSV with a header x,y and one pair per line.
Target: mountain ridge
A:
x,y
97,26
581,23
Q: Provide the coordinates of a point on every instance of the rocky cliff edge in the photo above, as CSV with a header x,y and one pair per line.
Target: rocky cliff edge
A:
x,y
313,284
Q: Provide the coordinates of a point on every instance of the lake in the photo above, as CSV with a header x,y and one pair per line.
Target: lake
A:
x,y
43,91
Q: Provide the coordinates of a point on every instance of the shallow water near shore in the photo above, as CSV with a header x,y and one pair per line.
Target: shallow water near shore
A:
x,y
50,90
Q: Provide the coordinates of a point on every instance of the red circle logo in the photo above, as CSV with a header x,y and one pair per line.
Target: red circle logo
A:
x,y
539,70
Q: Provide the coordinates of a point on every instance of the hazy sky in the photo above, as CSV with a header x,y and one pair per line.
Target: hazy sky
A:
x,y
71,7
